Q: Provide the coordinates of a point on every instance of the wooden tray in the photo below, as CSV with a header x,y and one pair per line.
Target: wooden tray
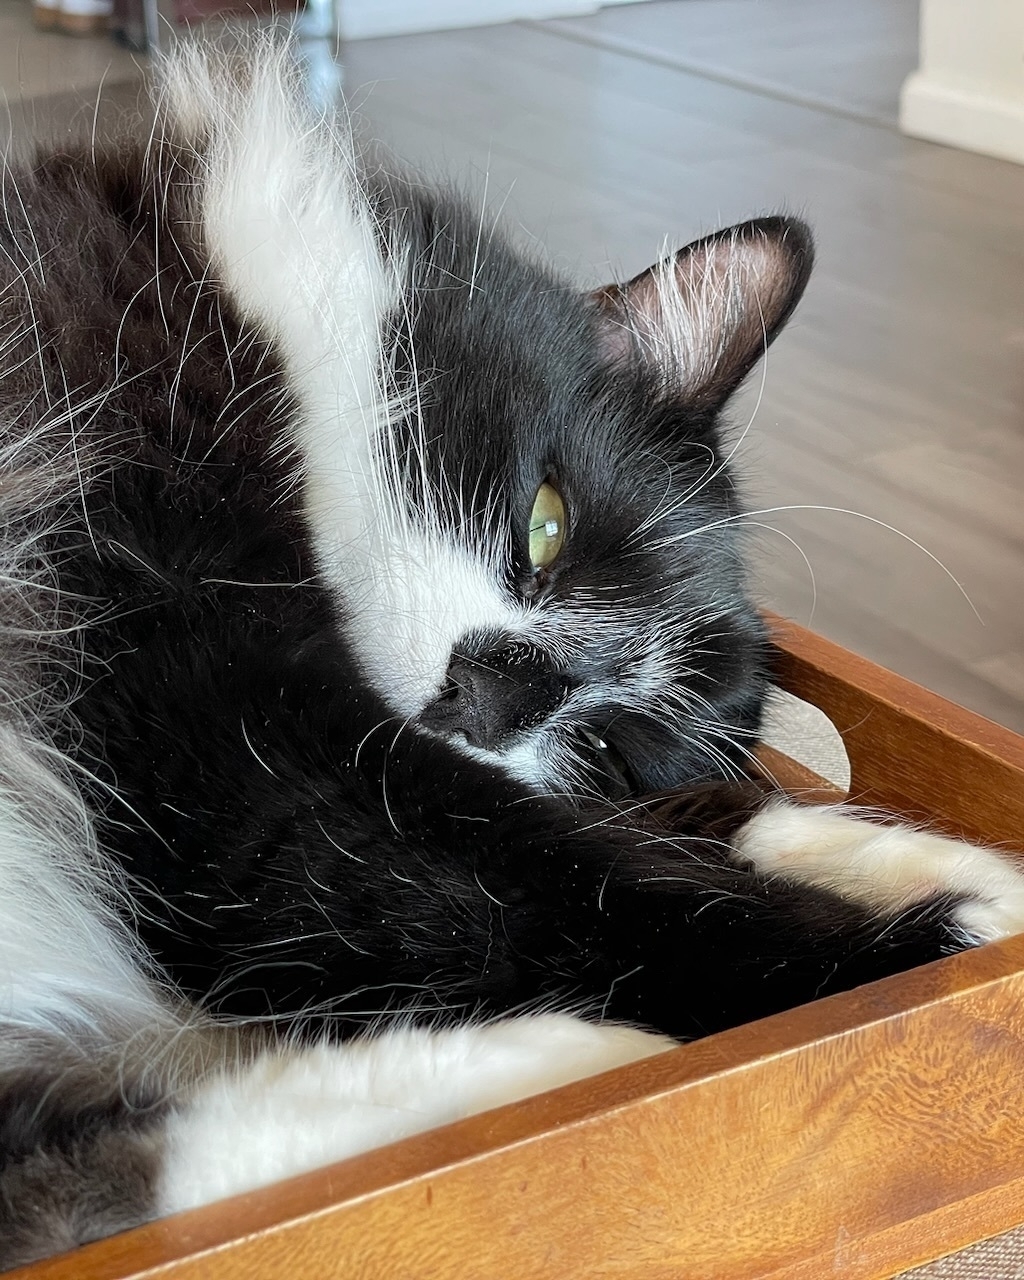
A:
x,y
853,1137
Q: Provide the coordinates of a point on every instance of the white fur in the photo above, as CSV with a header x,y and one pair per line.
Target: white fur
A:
x,y
293,238
65,960
301,1109
887,868
67,964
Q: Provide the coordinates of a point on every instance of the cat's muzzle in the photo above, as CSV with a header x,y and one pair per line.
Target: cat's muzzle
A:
x,y
492,695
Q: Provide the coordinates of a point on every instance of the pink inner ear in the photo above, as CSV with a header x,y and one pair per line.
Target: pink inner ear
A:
x,y
704,317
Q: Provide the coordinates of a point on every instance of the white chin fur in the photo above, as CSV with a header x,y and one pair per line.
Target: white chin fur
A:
x,y
886,868
301,1109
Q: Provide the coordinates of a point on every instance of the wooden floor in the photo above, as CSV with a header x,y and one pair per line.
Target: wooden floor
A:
x,y
896,398
897,393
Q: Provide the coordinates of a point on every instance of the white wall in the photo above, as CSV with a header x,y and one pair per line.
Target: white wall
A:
x,y
968,90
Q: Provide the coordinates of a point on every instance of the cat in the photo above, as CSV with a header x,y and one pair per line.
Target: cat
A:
x,y
360,576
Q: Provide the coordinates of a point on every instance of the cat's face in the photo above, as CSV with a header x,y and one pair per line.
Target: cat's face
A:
x,y
517,492
555,582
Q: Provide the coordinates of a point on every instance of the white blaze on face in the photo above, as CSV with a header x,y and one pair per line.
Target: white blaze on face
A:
x,y
295,243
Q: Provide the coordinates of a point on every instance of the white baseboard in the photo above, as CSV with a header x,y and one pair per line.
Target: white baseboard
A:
x,y
363,19
960,118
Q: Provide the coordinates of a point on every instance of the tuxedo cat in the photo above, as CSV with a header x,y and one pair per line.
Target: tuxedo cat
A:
x,y
359,576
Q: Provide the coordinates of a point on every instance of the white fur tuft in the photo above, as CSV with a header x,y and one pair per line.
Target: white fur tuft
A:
x,y
293,237
65,959
301,1109
67,964
886,868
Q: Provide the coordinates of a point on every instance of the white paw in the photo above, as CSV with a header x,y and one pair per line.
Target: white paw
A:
x,y
298,1109
527,1055
886,868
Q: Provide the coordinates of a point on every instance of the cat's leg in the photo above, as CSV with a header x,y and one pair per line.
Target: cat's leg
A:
x,y
80,1146
887,867
83,1027
94,1143
749,905
298,1109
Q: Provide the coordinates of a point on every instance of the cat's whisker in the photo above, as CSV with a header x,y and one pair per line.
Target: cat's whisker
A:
x,y
369,734
757,524
846,511
474,269
384,775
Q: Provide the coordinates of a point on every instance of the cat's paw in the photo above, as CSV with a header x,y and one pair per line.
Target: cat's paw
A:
x,y
295,1109
521,1056
886,868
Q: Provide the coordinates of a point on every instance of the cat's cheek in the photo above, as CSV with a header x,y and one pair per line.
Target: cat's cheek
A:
x,y
886,868
292,1111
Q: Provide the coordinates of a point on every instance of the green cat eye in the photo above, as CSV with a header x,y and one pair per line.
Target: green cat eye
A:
x,y
547,526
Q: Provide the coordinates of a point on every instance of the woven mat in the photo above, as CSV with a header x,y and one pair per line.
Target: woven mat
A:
x,y
1000,1258
805,734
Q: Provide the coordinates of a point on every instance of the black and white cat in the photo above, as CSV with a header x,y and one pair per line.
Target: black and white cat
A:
x,y
358,573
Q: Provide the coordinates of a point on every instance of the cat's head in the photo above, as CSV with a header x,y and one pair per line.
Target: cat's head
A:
x,y
564,589
519,492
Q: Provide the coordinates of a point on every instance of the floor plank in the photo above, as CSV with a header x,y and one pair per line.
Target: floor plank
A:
x,y
847,58
36,64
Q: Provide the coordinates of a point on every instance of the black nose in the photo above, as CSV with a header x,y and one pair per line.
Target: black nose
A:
x,y
491,696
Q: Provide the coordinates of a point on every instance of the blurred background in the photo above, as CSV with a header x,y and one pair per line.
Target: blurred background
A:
x,y
886,454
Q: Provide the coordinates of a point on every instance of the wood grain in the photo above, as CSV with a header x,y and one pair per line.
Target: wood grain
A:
x,y
911,752
802,783
867,1132
840,59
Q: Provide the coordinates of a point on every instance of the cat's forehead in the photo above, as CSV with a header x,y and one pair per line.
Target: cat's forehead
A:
x,y
508,362
477,304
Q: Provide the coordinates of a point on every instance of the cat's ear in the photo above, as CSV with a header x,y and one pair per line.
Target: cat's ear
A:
x,y
702,317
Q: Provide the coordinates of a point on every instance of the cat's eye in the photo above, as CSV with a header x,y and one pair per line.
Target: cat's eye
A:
x,y
547,526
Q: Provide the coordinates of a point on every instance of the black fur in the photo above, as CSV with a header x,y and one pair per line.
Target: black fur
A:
x,y
290,858
291,853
